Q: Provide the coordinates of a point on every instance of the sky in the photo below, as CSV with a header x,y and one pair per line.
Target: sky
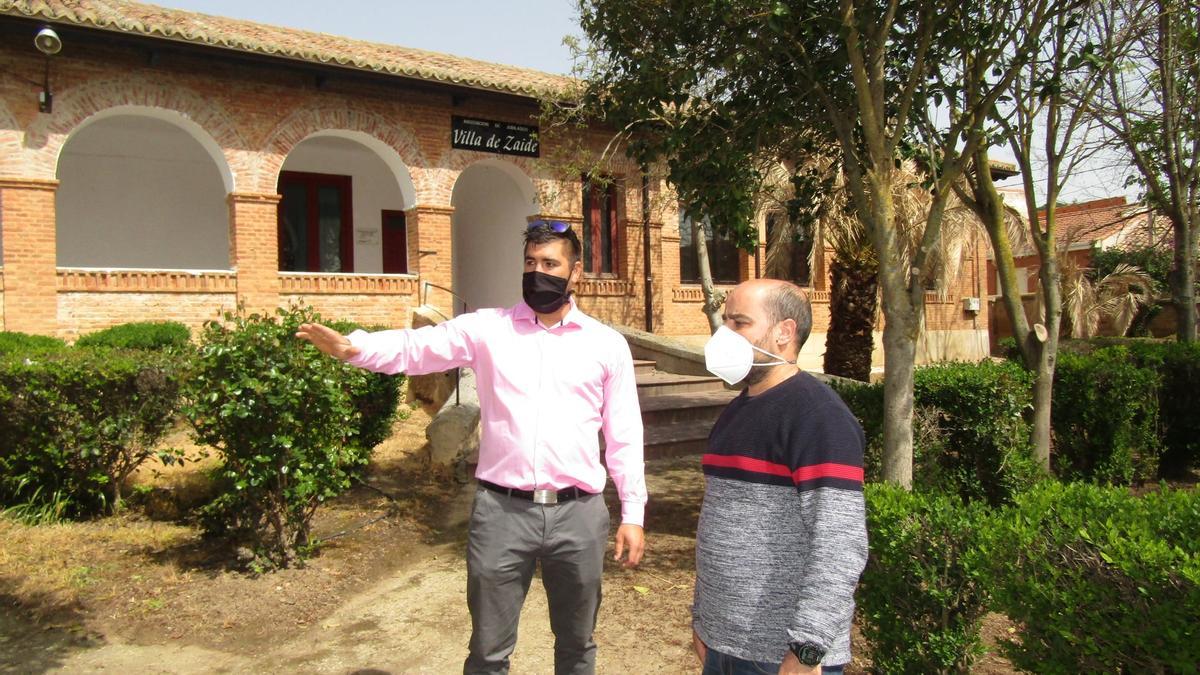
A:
x,y
527,33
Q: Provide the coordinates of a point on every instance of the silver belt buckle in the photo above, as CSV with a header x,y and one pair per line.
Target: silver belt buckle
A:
x,y
545,496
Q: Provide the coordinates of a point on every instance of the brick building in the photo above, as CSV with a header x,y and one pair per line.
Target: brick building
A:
x,y
171,165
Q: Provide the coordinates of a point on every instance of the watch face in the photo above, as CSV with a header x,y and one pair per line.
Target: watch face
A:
x,y
810,654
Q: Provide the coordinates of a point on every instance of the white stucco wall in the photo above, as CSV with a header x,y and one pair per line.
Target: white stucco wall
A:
x,y
491,205
374,189
139,192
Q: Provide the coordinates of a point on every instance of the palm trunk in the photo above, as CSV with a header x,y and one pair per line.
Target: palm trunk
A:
x,y
853,302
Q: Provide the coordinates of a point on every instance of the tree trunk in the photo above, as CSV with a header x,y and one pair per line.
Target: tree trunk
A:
x,y
1183,280
853,302
899,356
902,326
713,299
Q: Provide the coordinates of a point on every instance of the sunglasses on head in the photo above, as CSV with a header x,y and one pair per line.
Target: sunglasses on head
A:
x,y
553,225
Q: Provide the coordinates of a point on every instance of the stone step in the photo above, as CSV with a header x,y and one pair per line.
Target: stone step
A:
x,y
674,440
656,383
642,367
698,407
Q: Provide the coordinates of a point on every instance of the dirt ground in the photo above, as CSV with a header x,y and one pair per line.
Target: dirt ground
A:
x,y
385,594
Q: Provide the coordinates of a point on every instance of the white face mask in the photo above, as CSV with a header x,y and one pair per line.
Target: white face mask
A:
x,y
730,356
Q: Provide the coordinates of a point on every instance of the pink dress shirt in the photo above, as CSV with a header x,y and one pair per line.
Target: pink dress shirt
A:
x,y
544,393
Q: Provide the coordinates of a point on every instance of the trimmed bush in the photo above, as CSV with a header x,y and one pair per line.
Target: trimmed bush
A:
x,y
282,415
1102,581
978,410
969,433
1178,366
865,401
1105,418
76,424
923,594
12,342
149,335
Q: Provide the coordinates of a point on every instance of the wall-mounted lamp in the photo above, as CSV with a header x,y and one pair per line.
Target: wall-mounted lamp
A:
x,y
48,43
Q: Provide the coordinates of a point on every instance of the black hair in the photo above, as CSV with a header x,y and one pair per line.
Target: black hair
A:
x,y
543,234
787,301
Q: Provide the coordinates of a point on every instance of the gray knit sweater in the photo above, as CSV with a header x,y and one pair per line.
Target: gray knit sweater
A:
x,y
782,537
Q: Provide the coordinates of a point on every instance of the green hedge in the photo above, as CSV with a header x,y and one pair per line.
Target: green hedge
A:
x,y
149,335
1100,580
1178,367
284,419
923,594
977,412
969,433
12,342
77,423
1105,418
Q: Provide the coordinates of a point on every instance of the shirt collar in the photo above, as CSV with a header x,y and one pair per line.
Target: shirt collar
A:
x,y
573,317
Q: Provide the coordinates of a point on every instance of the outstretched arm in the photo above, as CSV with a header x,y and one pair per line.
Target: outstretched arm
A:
x,y
328,341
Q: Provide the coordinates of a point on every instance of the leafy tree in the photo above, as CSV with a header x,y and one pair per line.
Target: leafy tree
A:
x,y
1150,107
1046,130
725,83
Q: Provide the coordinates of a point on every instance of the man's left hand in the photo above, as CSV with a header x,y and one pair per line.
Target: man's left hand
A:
x,y
792,666
630,538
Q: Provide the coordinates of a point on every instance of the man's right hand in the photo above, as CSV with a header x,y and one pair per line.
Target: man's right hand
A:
x,y
328,340
700,647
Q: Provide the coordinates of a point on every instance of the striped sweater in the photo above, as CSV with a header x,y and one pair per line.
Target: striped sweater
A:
x,y
782,537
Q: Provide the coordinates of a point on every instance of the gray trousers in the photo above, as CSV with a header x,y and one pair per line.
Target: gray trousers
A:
x,y
506,539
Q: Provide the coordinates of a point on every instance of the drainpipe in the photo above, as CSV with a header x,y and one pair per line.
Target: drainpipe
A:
x,y
649,300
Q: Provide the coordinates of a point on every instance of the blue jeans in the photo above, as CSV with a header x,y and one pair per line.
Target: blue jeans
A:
x,y
716,663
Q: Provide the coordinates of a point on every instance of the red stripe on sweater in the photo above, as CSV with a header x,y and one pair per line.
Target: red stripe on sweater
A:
x,y
811,472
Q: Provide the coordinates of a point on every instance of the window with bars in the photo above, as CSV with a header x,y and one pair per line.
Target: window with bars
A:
x,y
599,236
722,254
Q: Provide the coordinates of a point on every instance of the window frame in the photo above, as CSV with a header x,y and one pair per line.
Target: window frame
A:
x,y
312,182
591,237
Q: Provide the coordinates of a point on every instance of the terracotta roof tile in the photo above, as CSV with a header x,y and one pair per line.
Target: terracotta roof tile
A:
x,y
246,36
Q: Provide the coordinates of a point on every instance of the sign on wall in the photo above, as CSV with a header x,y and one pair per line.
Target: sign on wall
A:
x,y
505,138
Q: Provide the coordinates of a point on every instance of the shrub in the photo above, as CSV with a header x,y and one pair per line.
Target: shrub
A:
x,y
1178,366
283,418
923,594
375,396
150,335
12,342
979,411
969,433
865,401
1102,581
1105,418
76,424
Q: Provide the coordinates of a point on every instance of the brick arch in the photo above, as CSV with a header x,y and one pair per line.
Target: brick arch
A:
x,y
307,122
75,106
444,177
10,143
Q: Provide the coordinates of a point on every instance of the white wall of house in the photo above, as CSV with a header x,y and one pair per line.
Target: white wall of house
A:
x,y
492,201
140,192
374,185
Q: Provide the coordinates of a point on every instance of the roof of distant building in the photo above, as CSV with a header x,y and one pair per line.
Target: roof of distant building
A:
x,y
123,16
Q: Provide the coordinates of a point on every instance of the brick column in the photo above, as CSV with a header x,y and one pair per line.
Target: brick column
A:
x,y
30,275
430,250
254,249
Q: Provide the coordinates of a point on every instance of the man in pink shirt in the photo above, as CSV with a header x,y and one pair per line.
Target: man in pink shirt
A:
x,y
550,378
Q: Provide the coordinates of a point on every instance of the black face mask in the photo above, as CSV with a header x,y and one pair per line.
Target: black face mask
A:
x,y
544,293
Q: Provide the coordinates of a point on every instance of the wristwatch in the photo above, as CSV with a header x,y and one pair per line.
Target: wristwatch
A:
x,y
808,653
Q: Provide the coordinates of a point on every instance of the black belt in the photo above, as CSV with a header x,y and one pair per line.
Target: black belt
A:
x,y
538,496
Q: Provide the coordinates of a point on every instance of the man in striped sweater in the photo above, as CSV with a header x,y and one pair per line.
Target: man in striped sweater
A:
x,y
782,536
